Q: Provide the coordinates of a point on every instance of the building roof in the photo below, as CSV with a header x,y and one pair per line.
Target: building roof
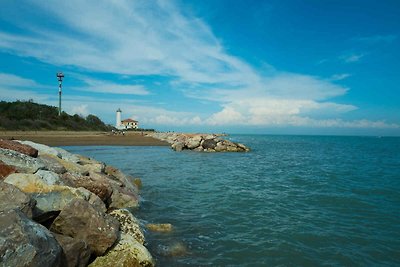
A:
x,y
128,120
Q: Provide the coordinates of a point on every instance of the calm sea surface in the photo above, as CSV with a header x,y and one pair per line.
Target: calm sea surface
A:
x,y
291,201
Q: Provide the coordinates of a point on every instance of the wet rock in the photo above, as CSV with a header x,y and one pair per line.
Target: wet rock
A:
x,y
42,149
123,198
209,143
177,146
126,253
76,253
95,183
26,243
138,183
21,148
21,162
128,224
199,149
52,163
160,227
126,180
177,249
81,220
13,198
6,170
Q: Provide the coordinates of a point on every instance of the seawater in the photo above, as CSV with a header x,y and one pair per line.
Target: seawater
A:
x,y
291,201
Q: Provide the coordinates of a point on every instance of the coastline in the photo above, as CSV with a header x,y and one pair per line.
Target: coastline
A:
x,y
88,138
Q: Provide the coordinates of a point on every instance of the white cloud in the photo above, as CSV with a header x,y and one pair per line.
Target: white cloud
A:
x,y
11,80
81,110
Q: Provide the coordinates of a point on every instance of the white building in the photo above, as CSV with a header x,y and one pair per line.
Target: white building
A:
x,y
125,124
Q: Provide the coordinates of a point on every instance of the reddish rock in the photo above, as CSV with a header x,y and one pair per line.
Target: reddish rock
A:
x,y
6,170
81,220
21,148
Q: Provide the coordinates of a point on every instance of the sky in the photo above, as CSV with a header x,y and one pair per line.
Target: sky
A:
x,y
264,67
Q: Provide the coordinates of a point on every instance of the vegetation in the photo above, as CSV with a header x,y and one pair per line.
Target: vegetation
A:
x,y
30,116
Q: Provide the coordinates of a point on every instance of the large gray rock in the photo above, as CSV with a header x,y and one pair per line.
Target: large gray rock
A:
x,y
81,220
13,198
192,143
76,253
49,177
26,243
21,162
209,144
123,198
52,163
178,146
43,149
50,198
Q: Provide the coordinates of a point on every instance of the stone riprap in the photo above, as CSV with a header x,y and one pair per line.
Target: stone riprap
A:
x,y
61,209
199,142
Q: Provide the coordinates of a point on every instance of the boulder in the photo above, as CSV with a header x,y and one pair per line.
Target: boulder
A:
x,y
209,143
6,170
42,149
176,249
21,162
51,198
13,198
26,243
69,165
76,253
52,164
178,146
232,149
95,183
21,148
123,198
81,220
192,143
126,180
199,149
160,227
49,177
128,224
91,165
65,155
220,147
126,253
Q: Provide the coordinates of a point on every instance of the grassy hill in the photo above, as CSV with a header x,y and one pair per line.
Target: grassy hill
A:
x,y
28,116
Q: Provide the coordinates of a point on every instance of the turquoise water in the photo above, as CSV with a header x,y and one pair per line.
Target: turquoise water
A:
x,y
291,201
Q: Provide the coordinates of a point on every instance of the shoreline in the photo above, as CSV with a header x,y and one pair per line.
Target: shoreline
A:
x,y
87,138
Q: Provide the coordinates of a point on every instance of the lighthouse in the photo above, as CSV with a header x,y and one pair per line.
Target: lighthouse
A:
x,y
118,122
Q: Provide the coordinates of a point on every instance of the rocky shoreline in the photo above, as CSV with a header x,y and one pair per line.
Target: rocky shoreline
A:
x,y
199,142
62,209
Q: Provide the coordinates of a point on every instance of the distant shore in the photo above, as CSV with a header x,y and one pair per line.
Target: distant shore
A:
x,y
89,138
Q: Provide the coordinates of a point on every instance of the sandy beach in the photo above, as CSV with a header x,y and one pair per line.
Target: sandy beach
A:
x,y
71,138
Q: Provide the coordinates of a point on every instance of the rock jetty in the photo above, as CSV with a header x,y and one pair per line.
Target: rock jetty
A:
x,y
62,209
199,142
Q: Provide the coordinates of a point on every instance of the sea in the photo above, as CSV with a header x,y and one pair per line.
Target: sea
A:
x,y
291,201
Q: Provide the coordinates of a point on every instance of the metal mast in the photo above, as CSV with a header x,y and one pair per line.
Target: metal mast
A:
x,y
60,77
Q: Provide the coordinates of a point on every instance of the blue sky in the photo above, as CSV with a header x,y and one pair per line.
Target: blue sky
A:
x,y
281,67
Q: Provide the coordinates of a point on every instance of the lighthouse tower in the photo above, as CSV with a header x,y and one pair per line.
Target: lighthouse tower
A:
x,y
118,122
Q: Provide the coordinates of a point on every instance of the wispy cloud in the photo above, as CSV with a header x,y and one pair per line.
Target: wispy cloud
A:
x,y
352,58
374,39
156,38
339,77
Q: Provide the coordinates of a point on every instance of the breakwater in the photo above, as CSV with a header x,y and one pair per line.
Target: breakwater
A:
x,y
63,209
199,142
